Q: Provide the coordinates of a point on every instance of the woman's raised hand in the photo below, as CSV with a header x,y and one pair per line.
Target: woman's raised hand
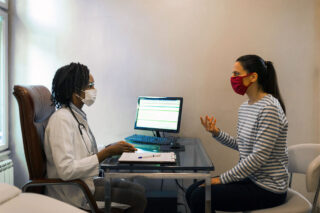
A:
x,y
210,124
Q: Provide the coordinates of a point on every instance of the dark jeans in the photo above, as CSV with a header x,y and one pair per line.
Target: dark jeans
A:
x,y
124,192
239,196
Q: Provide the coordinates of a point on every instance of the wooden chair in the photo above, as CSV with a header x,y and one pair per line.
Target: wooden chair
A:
x,y
35,109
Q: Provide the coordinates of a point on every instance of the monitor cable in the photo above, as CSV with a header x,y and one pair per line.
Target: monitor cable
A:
x,y
161,187
184,198
182,204
181,187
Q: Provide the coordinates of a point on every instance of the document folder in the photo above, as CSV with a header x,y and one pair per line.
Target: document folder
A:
x,y
163,157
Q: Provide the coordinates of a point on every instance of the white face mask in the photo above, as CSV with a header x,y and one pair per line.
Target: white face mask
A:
x,y
90,97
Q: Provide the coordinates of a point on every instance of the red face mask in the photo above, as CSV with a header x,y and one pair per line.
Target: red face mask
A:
x,y
237,84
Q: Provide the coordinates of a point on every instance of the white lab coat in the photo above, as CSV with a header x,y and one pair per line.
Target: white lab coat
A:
x,y
69,155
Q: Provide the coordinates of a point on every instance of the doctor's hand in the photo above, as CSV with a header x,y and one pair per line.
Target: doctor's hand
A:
x,y
115,149
210,125
120,147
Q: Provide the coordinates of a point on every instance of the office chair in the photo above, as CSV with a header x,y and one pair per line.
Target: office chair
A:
x,y
303,159
35,109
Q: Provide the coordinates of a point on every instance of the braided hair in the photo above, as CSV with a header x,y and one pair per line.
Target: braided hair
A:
x,y
68,79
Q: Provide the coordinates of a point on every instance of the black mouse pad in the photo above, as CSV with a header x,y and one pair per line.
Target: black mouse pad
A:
x,y
170,148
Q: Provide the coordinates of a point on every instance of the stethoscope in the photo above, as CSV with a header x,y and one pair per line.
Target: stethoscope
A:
x,y
80,125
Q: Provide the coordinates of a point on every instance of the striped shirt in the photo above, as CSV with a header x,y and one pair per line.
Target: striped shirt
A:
x,y
261,142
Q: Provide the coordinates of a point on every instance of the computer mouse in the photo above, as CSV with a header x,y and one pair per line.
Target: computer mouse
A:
x,y
175,146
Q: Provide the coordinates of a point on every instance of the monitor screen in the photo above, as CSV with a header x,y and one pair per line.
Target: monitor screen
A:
x,y
159,113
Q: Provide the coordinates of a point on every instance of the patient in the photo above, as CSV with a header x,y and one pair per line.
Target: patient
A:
x,y
71,148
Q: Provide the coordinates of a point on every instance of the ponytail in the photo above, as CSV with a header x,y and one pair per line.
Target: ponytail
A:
x,y
267,77
270,84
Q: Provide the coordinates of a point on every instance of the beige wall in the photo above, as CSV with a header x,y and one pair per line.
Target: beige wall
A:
x,y
317,53
168,48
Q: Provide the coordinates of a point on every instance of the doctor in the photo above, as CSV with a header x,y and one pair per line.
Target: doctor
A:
x,y
71,148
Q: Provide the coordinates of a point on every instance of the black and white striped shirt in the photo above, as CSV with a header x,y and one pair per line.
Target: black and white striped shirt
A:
x,y
261,141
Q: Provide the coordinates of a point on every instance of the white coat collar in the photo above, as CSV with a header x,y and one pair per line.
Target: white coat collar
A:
x,y
78,111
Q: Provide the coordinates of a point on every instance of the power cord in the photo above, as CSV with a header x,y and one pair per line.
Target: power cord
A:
x,y
182,204
184,198
178,184
161,184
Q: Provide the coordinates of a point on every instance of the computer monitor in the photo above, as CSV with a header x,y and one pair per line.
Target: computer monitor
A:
x,y
159,114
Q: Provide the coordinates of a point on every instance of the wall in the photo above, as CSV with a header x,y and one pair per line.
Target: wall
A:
x,y
317,53
167,48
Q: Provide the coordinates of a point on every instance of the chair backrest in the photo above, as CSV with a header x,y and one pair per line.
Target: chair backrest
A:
x,y
35,109
305,159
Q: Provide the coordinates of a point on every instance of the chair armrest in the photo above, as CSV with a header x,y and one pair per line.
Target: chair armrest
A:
x,y
313,175
77,182
313,180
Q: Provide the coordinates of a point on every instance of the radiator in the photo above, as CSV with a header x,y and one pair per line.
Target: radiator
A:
x,y
6,171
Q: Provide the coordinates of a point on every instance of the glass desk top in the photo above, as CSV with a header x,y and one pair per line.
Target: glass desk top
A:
x,y
193,158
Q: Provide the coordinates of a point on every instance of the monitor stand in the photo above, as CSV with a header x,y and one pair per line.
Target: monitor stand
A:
x,y
174,146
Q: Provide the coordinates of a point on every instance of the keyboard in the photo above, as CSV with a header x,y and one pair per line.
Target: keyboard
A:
x,y
149,140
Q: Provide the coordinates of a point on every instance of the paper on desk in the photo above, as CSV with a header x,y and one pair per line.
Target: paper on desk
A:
x,y
160,157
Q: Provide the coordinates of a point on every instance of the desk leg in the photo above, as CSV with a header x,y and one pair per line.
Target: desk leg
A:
x,y
208,194
107,195
195,180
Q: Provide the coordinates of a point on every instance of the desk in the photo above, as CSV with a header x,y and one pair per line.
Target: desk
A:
x,y
193,163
